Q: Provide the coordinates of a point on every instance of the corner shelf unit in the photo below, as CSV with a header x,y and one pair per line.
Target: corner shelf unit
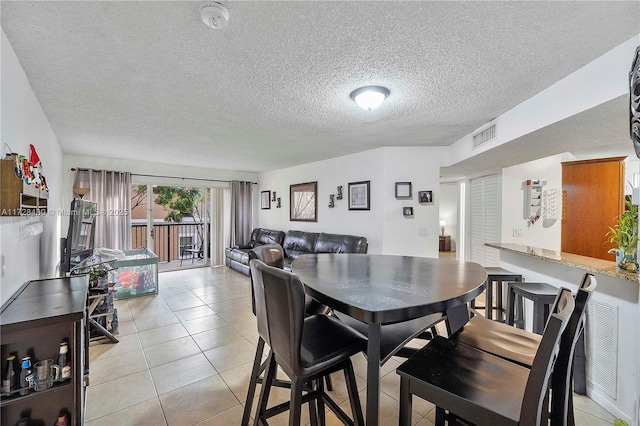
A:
x,y
33,322
16,197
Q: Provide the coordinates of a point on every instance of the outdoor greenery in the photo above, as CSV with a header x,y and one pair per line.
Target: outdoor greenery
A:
x,y
180,202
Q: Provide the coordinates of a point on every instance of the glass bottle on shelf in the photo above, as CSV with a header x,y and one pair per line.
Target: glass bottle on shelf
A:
x,y
63,418
63,361
9,375
26,376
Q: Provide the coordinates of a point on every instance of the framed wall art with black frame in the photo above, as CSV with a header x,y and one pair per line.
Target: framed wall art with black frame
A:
x,y
403,190
265,200
303,202
359,195
425,197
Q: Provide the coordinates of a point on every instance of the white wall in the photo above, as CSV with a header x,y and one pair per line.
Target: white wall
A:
x,y
449,200
543,233
23,122
384,226
631,165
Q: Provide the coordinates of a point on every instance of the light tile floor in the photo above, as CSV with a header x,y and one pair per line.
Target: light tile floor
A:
x,y
185,356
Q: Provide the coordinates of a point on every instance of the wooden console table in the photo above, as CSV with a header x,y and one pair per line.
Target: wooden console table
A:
x,y
445,242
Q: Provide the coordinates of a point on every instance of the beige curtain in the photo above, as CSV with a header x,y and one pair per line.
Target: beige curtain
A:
x,y
241,208
112,192
219,232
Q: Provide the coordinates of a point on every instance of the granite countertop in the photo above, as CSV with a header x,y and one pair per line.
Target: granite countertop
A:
x,y
590,264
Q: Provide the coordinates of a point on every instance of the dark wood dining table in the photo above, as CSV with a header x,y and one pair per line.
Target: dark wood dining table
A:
x,y
385,289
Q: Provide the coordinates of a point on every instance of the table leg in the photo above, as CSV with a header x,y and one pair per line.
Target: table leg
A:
x,y
373,374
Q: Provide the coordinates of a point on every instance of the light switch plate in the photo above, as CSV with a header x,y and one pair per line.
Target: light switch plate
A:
x,y
3,262
517,232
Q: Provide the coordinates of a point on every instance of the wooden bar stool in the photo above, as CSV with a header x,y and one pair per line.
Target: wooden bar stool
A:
x,y
542,295
500,277
476,386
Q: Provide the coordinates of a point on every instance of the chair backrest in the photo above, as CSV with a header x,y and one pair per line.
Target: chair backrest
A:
x,y
543,362
272,255
281,300
561,379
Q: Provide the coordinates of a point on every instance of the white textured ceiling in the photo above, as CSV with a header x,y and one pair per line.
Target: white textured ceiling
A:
x,y
149,81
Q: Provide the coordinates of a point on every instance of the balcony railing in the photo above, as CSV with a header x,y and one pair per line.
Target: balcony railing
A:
x,y
172,241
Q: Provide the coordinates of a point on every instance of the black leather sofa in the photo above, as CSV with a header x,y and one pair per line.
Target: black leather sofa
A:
x,y
237,257
294,243
300,242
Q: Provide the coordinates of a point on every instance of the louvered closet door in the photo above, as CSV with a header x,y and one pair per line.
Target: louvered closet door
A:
x,y
485,220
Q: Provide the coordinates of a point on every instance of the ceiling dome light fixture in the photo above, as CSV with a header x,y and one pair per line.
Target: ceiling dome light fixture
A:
x,y
370,97
214,14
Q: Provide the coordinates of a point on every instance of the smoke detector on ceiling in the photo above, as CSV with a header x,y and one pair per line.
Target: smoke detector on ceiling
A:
x,y
214,14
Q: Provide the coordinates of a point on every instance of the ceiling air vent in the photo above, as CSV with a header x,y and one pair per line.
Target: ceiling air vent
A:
x,y
484,135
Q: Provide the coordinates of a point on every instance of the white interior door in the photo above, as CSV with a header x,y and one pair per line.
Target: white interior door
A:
x,y
485,220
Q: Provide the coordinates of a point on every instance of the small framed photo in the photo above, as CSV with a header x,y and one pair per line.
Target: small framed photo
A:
x,y
403,189
265,200
425,197
407,211
359,196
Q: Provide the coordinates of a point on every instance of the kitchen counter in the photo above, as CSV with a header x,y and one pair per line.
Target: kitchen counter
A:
x,y
590,264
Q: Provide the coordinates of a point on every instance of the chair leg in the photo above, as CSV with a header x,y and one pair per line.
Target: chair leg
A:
x,y
255,372
313,414
269,374
295,405
352,390
511,306
329,382
321,409
440,416
488,309
406,403
571,421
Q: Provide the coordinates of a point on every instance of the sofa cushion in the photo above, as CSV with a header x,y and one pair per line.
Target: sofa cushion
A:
x,y
269,236
299,242
336,243
239,255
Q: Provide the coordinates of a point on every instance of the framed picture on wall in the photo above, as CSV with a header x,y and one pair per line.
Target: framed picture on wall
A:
x,y
359,198
265,200
403,189
303,202
425,197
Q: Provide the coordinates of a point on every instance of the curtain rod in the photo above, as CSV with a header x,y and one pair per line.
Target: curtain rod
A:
x,y
73,169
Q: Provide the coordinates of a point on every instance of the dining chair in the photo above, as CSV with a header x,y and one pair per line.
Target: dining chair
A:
x,y
272,255
305,348
520,346
480,387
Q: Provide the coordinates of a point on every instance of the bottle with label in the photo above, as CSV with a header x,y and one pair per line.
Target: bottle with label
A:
x,y
63,418
26,376
9,375
64,361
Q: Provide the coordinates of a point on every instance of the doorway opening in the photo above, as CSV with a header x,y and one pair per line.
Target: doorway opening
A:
x,y
174,222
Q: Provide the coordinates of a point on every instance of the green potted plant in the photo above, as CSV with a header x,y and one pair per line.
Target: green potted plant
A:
x,y
625,236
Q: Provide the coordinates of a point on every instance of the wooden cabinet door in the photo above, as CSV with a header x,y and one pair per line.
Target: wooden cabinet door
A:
x,y
593,199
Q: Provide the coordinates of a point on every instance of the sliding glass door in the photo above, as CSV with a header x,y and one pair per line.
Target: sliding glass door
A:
x,y
173,222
